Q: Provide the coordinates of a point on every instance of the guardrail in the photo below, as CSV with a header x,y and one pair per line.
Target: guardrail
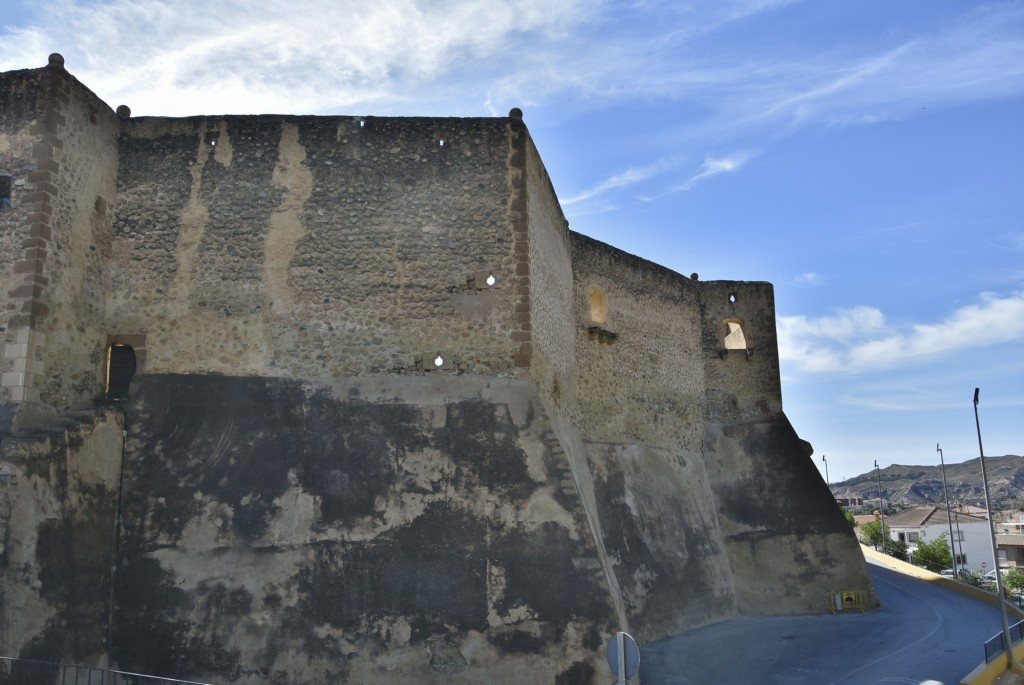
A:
x,y
15,671
996,645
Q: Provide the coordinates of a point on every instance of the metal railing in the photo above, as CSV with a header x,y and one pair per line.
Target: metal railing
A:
x,y
28,672
996,645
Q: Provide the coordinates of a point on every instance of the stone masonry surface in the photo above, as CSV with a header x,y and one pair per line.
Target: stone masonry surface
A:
x,y
391,421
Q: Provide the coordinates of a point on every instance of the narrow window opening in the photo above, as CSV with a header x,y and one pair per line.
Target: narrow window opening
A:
x,y
439,361
491,280
120,370
732,297
734,337
598,305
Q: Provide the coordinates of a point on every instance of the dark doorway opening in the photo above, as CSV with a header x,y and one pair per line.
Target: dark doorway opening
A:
x,y
120,369
5,191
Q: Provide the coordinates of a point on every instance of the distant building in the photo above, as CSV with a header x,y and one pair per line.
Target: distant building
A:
x,y
1010,542
970,534
862,519
850,501
972,511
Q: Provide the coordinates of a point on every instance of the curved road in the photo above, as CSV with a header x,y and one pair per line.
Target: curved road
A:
x,y
922,632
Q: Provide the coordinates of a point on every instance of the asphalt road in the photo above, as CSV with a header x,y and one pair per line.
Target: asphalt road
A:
x,y
922,632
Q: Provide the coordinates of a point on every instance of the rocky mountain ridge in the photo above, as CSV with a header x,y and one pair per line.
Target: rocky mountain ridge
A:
x,y
907,486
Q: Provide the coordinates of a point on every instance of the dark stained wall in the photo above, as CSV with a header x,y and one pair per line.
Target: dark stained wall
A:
x,y
299,532
58,502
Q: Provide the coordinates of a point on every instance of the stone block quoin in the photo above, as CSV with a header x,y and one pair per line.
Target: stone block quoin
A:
x,y
518,199
26,301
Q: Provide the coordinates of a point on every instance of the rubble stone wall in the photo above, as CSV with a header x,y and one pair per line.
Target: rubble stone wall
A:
x,y
58,148
19,103
305,495
306,246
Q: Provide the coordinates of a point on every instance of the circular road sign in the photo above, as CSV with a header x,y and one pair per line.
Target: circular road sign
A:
x,y
623,648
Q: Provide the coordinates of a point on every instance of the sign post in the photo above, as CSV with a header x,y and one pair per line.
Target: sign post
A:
x,y
623,657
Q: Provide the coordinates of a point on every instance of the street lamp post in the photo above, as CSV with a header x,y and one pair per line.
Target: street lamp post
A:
x,y
949,517
959,535
995,556
826,472
881,509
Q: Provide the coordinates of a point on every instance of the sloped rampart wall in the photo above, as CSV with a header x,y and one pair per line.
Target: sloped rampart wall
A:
x,y
367,530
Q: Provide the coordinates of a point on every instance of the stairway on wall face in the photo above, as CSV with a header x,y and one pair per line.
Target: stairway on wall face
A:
x,y
567,486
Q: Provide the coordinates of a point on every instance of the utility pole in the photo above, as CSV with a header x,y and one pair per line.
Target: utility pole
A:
x,y
949,517
826,472
1011,664
881,509
959,535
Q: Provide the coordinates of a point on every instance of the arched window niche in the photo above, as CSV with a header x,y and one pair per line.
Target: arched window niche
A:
x,y
598,327
733,336
598,305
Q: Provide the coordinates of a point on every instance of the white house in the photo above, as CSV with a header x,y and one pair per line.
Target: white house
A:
x,y
971,538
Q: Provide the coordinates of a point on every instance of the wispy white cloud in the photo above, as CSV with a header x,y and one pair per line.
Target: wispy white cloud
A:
x,y
475,56
916,394
715,166
809,278
712,166
860,338
902,401
622,180
1015,241
285,56
594,209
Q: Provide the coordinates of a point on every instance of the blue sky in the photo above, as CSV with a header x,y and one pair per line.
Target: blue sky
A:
x,y
866,157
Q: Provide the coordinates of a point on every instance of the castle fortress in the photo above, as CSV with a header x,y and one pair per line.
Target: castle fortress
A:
x,y
301,399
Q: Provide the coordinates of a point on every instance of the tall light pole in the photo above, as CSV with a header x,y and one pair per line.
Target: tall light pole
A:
x,y
995,556
826,472
959,535
949,516
881,509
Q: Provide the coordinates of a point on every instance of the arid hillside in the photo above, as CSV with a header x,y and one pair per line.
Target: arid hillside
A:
x,y
913,485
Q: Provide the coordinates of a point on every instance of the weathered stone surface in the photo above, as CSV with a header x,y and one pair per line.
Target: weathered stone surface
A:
x,y
61,499
391,420
260,513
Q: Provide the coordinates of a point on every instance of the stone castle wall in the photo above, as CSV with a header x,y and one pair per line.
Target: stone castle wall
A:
x,y
304,494
61,153
57,524
19,102
303,246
